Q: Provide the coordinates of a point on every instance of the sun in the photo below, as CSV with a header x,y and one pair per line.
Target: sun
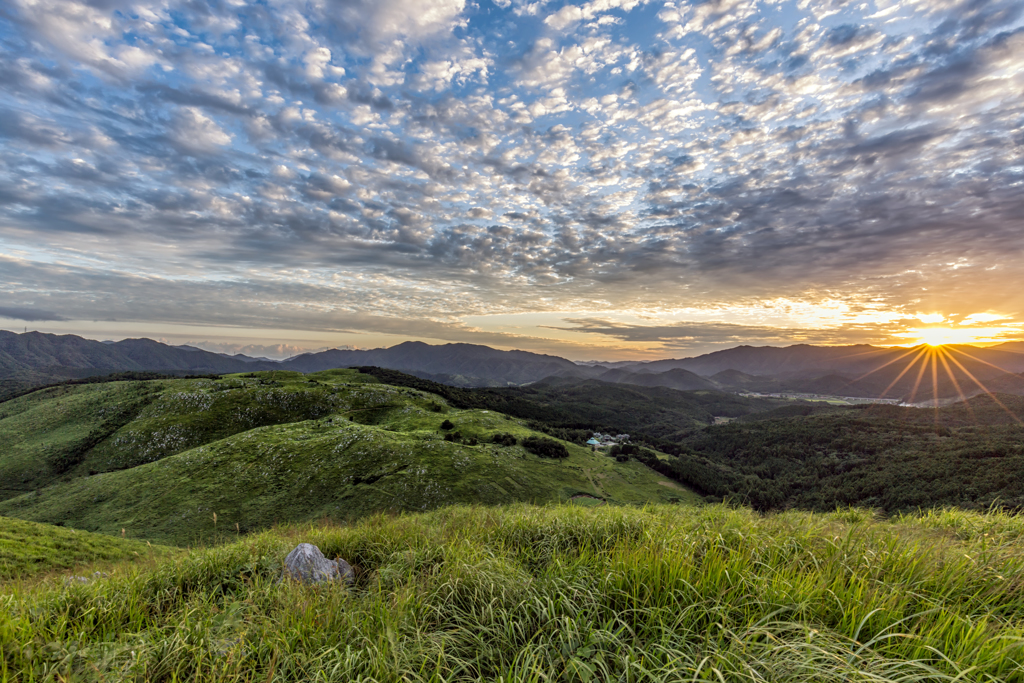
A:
x,y
940,336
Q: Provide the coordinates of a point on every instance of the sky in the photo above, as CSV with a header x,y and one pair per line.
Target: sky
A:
x,y
598,180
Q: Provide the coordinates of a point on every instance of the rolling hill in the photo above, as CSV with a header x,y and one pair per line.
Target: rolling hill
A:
x,y
160,458
677,378
654,412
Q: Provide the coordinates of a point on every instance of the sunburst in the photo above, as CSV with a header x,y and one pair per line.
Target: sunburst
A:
x,y
933,359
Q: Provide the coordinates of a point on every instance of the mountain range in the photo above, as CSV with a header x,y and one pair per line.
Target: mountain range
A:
x,y
916,374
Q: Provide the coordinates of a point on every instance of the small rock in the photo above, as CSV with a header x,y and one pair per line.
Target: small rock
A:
x,y
307,564
68,580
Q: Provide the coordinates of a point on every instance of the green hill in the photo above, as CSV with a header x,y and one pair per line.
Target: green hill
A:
x,y
28,548
76,430
335,444
526,594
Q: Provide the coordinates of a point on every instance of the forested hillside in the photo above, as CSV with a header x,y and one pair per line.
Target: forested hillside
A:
x,y
968,455
651,413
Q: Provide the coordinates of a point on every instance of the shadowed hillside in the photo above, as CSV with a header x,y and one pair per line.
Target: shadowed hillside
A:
x,y
894,458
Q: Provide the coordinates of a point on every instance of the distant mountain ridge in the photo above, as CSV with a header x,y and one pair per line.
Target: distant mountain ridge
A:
x,y
805,360
470,361
915,374
35,359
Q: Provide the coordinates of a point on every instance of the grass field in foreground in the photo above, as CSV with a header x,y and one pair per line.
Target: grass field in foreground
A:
x,y
558,593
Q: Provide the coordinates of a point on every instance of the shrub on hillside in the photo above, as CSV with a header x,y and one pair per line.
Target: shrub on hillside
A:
x,y
621,452
504,439
545,448
447,424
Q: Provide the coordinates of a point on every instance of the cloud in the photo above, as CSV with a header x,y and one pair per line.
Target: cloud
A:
x,y
383,19
28,314
345,163
704,336
194,132
570,14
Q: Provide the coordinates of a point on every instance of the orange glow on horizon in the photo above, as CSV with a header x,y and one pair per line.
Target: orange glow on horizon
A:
x,y
940,336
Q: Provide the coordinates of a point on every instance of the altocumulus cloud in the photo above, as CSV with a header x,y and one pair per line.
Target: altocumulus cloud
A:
x,y
401,165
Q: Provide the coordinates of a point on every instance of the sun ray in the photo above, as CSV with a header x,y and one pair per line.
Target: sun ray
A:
x,y
882,367
920,352
935,383
874,351
985,389
920,374
961,351
949,371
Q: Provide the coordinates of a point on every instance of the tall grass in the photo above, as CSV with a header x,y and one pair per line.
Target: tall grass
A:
x,y
554,594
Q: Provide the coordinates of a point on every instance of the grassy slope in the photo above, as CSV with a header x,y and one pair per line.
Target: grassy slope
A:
x,y
41,429
333,467
28,548
77,430
557,593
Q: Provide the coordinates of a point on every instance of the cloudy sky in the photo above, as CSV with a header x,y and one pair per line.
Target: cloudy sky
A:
x,y
603,179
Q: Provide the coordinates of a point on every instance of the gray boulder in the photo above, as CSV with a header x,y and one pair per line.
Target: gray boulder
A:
x,y
307,564
68,580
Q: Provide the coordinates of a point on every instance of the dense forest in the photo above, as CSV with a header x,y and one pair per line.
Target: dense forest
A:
x,y
967,455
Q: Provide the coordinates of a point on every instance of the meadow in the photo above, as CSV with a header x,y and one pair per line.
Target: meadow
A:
x,y
552,593
182,462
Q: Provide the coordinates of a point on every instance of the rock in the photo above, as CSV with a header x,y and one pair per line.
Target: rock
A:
x,y
307,564
68,580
